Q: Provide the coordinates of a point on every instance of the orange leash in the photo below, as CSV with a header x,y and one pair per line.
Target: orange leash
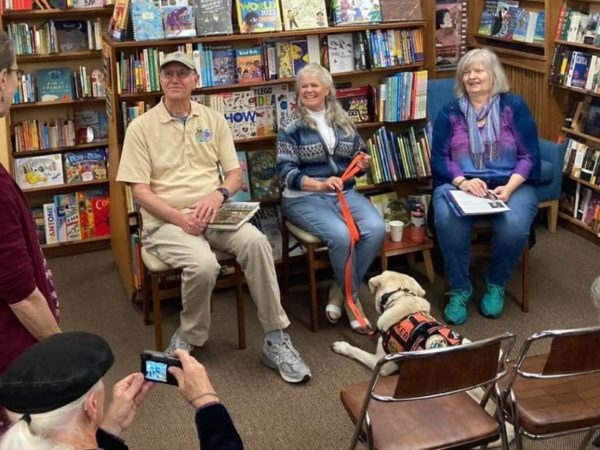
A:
x,y
350,172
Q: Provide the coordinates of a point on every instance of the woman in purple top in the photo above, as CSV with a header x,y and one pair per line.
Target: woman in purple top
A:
x,y
484,140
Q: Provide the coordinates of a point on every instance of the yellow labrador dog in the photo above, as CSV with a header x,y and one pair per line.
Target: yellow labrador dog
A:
x,y
404,324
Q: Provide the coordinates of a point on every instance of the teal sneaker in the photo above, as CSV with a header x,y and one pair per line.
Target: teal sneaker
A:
x,y
492,302
455,312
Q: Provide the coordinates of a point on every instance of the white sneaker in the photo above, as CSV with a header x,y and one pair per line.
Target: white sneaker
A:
x,y
286,359
177,342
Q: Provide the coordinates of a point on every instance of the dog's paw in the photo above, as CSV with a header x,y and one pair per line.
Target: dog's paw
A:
x,y
341,347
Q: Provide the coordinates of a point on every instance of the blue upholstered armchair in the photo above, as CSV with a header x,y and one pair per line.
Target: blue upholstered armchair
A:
x,y
441,91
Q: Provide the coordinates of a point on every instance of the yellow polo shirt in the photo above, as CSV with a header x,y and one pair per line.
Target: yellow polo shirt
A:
x,y
179,162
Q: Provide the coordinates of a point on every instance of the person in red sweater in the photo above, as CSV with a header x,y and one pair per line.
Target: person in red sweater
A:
x,y
28,301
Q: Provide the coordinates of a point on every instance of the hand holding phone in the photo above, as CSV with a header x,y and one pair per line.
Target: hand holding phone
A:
x,y
155,367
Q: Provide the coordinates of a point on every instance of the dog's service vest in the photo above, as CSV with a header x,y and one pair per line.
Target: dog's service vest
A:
x,y
419,331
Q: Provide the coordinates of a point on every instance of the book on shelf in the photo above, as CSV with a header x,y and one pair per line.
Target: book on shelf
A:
x,y
391,207
450,31
249,65
223,63
355,101
401,10
232,215
303,14
299,54
341,52
90,126
488,16
178,19
466,204
263,175
37,214
101,207
243,193
258,16
283,50
67,217
71,35
54,84
239,110
539,33
578,69
146,18
213,17
500,15
591,124
85,165
117,27
266,108
355,12
50,229
39,171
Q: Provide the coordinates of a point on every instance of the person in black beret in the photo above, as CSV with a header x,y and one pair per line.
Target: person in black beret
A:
x,y
54,395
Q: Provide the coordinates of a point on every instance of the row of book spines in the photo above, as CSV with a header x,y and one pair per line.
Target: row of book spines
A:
x,y
388,48
582,203
43,40
399,157
582,161
574,69
403,97
31,135
84,85
16,5
574,26
76,216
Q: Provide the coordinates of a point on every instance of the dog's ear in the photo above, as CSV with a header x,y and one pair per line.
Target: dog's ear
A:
x,y
374,283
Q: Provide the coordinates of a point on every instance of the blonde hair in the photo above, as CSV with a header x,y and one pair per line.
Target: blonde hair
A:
x,y
35,434
334,113
492,65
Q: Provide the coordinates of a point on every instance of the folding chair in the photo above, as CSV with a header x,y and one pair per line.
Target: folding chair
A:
x,y
556,393
426,405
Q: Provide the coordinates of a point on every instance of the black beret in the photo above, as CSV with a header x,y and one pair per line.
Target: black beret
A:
x,y
54,372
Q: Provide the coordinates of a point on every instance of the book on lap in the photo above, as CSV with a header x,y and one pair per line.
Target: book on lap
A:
x,y
466,204
232,215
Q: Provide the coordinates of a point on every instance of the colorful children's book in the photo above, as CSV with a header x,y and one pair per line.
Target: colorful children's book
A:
x,y
223,63
238,107
72,35
54,84
117,27
243,194
355,101
285,105
90,126
349,12
39,171
101,208
266,108
258,16
178,19
232,215
299,52
488,15
261,166
85,165
249,65
67,213
213,17
147,20
283,50
303,14
86,215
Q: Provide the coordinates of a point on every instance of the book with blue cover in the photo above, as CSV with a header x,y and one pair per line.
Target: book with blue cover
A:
x,y
178,19
540,28
223,64
147,20
54,84
347,12
488,15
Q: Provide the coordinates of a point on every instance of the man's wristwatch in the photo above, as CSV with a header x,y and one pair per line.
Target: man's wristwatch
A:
x,y
224,192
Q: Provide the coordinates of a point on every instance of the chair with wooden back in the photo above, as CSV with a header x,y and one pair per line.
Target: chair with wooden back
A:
x,y
558,392
426,405
161,282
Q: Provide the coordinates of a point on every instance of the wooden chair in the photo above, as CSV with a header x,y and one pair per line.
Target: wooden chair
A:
x,y
161,282
317,258
556,393
426,405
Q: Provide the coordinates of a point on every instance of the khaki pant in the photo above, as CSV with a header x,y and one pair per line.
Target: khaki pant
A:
x,y
200,269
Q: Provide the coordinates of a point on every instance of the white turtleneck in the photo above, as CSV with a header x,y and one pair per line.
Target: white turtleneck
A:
x,y
325,130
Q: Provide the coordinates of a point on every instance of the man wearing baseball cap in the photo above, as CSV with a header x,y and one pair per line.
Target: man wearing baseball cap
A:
x,y
172,158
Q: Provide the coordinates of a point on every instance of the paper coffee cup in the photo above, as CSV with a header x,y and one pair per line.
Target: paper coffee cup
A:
x,y
396,227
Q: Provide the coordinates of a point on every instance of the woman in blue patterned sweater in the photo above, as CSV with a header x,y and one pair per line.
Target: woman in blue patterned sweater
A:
x,y
483,140
313,150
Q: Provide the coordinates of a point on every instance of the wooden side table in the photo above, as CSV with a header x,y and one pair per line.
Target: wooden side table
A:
x,y
408,247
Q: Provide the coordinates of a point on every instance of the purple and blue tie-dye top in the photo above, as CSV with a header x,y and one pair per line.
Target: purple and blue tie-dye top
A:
x,y
517,148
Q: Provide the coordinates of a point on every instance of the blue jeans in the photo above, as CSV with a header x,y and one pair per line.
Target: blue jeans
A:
x,y
321,216
510,235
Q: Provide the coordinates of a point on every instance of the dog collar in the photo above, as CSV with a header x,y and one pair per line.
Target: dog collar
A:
x,y
386,297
